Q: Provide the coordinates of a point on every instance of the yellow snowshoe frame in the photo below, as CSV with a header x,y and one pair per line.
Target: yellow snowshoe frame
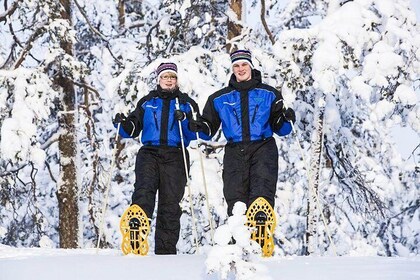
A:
x,y
264,232
134,240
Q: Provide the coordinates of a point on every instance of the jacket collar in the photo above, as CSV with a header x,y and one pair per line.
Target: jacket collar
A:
x,y
254,82
167,94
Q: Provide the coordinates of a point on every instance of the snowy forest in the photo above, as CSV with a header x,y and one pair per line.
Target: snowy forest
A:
x,y
349,68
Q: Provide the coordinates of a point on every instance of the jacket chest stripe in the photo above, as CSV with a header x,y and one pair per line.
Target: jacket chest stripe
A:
x,y
164,122
246,135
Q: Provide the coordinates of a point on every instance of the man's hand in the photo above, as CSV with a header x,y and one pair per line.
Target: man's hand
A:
x,y
119,118
198,126
289,115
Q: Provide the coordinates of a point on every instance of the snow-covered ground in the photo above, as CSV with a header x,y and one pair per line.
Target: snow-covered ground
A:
x,y
45,264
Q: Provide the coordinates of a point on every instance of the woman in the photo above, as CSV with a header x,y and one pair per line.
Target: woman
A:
x,y
159,163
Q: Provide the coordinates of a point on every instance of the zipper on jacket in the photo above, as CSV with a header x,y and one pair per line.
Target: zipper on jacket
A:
x,y
156,120
255,113
173,123
236,116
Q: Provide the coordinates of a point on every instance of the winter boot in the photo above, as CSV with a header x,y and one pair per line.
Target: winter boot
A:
x,y
135,228
260,216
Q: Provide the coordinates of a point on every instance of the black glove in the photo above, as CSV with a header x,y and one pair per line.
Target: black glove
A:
x,y
198,126
277,109
277,123
289,115
179,115
119,118
286,115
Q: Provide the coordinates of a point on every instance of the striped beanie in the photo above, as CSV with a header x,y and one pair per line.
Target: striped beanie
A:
x,y
241,56
166,67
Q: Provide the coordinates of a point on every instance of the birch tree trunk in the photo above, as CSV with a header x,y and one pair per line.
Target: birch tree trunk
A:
x,y
314,180
234,29
121,14
67,184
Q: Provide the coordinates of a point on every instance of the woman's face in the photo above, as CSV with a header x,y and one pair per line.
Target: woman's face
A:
x,y
168,81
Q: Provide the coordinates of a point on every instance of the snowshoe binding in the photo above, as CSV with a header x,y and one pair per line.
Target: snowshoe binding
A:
x,y
260,216
135,228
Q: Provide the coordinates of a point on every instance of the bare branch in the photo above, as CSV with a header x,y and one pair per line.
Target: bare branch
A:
x,y
94,30
87,87
54,138
16,42
10,58
137,24
15,38
412,152
132,26
97,32
362,198
49,170
148,39
264,22
112,54
28,46
14,171
10,11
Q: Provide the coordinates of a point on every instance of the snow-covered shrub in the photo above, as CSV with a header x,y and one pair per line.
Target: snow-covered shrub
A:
x,y
235,253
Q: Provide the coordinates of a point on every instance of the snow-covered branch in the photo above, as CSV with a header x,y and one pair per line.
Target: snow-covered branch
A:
x,y
363,198
29,44
97,32
10,10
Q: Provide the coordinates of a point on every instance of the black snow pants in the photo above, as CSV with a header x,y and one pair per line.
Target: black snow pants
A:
x,y
250,170
161,168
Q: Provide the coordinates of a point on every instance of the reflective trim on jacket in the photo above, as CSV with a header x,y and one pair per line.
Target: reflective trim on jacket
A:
x,y
244,110
154,117
229,106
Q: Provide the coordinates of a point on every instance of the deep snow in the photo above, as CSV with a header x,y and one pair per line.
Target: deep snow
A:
x,y
70,264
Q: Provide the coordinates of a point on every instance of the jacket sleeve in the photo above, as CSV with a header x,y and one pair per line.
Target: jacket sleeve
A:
x,y
285,129
190,109
276,106
132,127
276,116
211,118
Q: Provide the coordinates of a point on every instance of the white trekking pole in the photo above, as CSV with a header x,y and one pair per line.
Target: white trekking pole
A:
x,y
108,187
206,195
195,233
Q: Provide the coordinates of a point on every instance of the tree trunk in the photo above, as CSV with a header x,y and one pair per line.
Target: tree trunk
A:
x,y
264,22
234,29
314,180
121,14
67,184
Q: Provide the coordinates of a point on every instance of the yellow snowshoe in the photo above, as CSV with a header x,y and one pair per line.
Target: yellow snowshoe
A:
x,y
260,216
135,228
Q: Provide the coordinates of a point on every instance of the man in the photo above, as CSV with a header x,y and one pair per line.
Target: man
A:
x,y
249,112
159,162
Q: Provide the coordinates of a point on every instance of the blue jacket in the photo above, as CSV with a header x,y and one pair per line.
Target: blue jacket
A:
x,y
154,117
244,110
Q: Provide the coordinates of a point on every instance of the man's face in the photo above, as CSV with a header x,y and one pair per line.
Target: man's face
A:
x,y
168,81
242,71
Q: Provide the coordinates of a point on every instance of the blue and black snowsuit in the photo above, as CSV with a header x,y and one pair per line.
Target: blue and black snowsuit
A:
x,y
159,162
250,164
